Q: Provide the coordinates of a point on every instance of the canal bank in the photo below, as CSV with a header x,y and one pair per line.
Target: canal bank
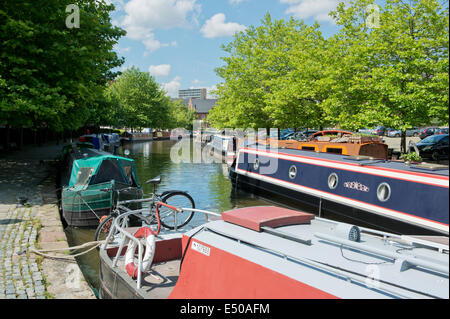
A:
x,y
30,219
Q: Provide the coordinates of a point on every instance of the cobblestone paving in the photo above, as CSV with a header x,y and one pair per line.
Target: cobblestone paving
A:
x,y
30,173
20,277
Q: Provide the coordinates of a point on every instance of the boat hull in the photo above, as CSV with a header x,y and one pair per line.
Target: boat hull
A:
x,y
412,207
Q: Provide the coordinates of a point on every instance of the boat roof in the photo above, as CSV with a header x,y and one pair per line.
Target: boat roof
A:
x,y
308,250
93,159
434,169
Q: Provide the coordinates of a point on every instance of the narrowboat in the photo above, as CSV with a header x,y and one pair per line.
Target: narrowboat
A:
x,y
223,147
86,174
133,137
375,192
338,142
269,252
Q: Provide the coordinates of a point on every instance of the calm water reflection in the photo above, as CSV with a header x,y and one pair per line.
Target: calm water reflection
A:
x,y
208,184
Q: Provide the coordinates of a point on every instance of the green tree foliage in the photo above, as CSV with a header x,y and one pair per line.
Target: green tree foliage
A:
x,y
139,101
51,75
182,117
285,74
394,74
272,77
136,101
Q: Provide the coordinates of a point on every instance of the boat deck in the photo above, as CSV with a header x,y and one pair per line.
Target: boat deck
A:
x,y
159,282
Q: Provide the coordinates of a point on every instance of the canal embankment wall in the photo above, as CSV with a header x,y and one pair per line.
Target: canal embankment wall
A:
x,y
30,219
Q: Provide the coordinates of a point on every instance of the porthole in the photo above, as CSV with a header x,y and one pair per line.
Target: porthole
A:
x,y
383,192
256,164
333,181
292,172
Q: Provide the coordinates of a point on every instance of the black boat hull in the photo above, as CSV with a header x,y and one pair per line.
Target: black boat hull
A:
x,y
322,207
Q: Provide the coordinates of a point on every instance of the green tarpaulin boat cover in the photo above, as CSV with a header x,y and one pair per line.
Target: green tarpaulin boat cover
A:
x,y
102,168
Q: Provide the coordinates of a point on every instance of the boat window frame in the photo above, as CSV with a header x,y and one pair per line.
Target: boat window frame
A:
x,y
289,172
333,174
86,178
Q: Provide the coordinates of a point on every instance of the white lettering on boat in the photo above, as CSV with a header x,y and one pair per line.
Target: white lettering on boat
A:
x,y
201,248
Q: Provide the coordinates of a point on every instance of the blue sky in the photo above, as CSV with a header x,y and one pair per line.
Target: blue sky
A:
x,y
179,41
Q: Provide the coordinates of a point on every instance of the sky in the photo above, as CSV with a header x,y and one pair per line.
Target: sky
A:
x,y
179,41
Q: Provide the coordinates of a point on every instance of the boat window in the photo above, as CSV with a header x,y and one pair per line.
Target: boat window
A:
x,y
334,150
308,148
333,181
292,172
128,174
109,170
83,175
383,192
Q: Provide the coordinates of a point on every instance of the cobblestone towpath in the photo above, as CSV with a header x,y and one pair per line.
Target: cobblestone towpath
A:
x,y
30,219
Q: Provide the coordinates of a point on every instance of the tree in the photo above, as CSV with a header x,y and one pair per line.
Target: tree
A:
x,y
139,101
395,74
52,75
182,116
273,77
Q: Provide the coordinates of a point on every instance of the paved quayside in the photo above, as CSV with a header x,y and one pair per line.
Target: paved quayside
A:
x,y
37,224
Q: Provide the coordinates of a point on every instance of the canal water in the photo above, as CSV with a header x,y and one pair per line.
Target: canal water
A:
x,y
207,183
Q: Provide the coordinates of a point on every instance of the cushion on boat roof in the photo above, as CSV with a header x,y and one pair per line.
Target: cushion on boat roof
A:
x,y
265,216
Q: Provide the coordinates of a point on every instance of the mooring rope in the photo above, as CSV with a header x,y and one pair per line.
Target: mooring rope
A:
x,y
94,245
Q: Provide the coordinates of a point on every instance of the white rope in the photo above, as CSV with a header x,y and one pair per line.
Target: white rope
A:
x,y
71,257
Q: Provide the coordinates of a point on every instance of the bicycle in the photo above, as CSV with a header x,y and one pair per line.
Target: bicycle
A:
x,y
169,218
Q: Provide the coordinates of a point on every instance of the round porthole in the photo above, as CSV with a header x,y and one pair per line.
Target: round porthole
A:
x,y
256,164
292,172
333,181
383,192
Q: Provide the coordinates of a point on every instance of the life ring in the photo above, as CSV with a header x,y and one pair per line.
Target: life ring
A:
x,y
130,266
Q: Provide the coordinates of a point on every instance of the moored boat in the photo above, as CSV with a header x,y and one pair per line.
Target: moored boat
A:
x,y
388,195
223,147
87,173
270,252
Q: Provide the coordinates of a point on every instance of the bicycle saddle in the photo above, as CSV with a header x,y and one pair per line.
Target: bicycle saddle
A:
x,y
156,180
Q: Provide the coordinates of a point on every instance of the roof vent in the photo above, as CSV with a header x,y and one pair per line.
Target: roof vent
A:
x,y
266,216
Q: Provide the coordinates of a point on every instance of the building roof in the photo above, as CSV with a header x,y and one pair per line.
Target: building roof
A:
x,y
203,105
184,101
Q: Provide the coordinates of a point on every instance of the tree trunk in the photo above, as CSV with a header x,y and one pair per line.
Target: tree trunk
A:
x,y
403,143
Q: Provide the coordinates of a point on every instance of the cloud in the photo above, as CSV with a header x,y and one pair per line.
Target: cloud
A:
x,y
142,17
235,1
217,27
121,50
318,10
172,87
159,70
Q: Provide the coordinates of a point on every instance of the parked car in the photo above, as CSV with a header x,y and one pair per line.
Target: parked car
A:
x,y
287,136
379,130
428,131
435,147
365,131
397,133
443,130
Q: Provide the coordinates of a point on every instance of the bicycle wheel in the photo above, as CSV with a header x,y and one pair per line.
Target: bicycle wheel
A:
x,y
103,228
179,200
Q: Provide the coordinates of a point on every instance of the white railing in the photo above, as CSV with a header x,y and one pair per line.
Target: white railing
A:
x,y
118,228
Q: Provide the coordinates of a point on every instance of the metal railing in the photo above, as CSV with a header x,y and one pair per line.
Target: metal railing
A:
x,y
118,228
